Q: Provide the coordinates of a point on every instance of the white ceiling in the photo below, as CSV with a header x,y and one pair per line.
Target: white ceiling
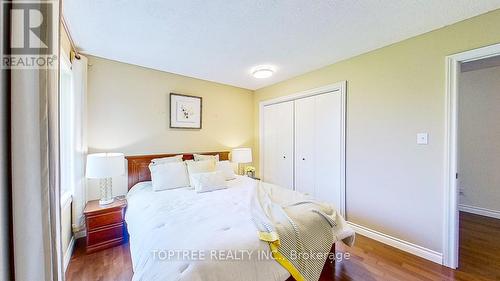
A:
x,y
221,40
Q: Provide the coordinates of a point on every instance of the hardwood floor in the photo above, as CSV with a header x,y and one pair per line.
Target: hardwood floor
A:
x,y
480,245
369,261
111,264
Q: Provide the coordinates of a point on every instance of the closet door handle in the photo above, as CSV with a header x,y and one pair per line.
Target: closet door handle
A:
x,y
303,159
284,157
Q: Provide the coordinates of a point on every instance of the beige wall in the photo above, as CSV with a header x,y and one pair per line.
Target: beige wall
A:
x,y
479,138
128,111
393,185
65,47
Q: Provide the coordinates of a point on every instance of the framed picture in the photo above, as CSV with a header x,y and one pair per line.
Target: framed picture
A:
x,y
185,111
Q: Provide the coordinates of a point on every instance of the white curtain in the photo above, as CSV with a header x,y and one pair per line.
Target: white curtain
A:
x,y
79,69
35,175
35,168
34,154
4,172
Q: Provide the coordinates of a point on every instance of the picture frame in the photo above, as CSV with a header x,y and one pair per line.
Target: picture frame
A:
x,y
185,111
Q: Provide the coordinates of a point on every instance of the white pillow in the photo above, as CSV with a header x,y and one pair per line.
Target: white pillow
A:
x,y
203,182
226,168
168,175
177,158
201,157
205,166
195,167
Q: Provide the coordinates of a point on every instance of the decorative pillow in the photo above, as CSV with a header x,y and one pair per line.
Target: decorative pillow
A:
x,y
168,175
226,168
203,182
195,167
177,158
201,157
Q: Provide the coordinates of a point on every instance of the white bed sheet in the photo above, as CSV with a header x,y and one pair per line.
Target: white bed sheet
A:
x,y
181,219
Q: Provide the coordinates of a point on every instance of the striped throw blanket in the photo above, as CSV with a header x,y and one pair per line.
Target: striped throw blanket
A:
x,y
300,231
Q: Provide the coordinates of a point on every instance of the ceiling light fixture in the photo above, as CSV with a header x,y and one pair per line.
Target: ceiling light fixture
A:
x,y
263,71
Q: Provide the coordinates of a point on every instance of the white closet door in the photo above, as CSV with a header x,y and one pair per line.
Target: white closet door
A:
x,y
278,144
318,146
305,135
328,147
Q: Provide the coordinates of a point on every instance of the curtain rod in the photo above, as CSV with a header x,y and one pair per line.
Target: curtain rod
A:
x,y
71,42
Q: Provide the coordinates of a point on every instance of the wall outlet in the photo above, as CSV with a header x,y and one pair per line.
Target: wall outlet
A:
x,y
423,138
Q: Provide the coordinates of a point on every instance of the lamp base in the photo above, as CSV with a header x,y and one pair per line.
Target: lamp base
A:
x,y
106,191
241,169
106,202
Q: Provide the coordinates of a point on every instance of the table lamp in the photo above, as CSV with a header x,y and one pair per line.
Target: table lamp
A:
x,y
104,166
241,156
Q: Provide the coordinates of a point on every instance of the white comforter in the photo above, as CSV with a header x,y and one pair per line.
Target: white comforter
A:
x,y
175,235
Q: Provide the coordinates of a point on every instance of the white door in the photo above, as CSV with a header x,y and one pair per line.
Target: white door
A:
x,y
278,144
318,146
305,135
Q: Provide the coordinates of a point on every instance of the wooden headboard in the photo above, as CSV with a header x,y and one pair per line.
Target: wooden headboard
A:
x,y
138,169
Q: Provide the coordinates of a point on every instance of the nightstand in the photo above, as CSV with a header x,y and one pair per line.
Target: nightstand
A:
x,y
105,224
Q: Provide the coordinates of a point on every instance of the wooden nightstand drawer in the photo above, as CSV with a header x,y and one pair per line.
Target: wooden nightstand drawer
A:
x,y
105,234
104,219
105,225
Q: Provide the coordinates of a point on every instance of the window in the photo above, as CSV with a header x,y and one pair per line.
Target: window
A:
x,y
66,123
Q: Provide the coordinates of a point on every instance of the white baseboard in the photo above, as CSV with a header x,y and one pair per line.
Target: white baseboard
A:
x,y
406,246
69,252
479,211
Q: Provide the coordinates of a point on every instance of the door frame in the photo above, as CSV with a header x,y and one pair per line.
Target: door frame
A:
x,y
342,88
450,216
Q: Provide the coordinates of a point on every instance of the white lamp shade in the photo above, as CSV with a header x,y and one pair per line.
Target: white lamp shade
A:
x,y
241,155
105,165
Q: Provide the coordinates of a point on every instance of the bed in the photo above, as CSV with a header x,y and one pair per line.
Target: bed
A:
x,y
179,234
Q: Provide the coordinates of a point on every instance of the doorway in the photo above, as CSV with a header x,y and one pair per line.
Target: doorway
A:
x,y
455,147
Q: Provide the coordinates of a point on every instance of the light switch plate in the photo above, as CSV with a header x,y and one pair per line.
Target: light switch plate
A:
x,y
422,138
